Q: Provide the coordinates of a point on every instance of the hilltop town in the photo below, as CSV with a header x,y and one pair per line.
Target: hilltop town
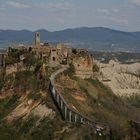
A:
x,y
51,55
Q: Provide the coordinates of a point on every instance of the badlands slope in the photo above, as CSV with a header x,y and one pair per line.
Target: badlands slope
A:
x,y
123,79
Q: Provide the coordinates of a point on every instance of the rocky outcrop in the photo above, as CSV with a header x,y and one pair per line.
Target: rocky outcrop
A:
x,y
17,67
83,66
29,107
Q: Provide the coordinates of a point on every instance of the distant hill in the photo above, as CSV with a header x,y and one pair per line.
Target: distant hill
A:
x,y
96,38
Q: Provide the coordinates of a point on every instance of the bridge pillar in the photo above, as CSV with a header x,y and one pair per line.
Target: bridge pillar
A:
x,y
61,104
65,112
70,115
81,120
57,99
75,117
53,91
88,122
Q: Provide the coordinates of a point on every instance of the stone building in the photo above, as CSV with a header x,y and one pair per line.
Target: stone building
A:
x,y
63,52
51,53
54,56
37,40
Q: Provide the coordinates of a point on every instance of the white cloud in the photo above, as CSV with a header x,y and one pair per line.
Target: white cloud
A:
x,y
17,5
107,11
55,6
118,21
137,2
60,6
122,22
103,11
115,10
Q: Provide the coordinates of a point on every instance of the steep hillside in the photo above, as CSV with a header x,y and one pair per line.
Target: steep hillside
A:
x,y
27,112
123,79
92,98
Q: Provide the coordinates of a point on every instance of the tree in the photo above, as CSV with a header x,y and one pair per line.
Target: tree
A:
x,y
74,51
29,60
30,49
95,68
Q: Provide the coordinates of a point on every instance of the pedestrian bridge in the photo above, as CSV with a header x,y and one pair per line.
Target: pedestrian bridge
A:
x,y
68,113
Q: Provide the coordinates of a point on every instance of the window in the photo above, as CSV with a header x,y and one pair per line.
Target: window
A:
x,y
53,58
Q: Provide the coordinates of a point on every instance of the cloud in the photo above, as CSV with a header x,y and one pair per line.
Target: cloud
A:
x,y
136,2
112,14
122,22
60,6
103,11
107,11
118,21
17,5
115,10
54,6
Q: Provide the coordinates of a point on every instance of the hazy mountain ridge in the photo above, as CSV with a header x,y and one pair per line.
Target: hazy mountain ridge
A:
x,y
97,38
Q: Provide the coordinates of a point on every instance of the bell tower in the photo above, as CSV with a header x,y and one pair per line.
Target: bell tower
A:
x,y
37,40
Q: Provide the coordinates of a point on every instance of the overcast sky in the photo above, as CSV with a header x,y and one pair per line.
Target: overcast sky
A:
x,y
60,14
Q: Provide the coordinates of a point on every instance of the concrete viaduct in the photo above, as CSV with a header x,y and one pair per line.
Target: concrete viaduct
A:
x,y
68,113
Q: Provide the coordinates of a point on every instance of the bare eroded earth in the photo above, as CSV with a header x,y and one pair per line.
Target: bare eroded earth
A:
x,y
123,79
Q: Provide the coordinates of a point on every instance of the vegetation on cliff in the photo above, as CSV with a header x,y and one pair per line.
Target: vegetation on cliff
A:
x,y
95,100
25,93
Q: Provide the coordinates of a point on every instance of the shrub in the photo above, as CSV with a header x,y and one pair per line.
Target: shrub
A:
x,y
7,105
9,60
25,80
133,100
34,95
13,56
27,125
95,68
74,51
70,72
72,68
29,60
38,66
2,76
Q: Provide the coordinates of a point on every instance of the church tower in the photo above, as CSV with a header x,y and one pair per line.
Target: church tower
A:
x,y
37,40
